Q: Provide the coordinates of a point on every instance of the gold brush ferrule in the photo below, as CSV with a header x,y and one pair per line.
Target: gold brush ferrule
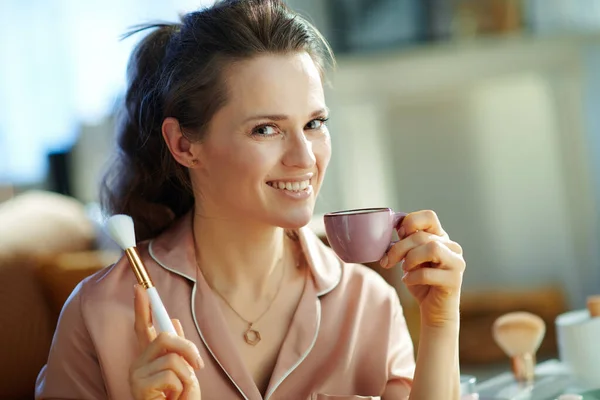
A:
x,y
138,268
523,367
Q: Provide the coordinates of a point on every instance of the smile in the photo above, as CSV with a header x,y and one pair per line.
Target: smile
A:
x,y
290,186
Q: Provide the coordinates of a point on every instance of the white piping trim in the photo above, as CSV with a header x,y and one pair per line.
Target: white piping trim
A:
x,y
151,252
206,344
324,292
289,371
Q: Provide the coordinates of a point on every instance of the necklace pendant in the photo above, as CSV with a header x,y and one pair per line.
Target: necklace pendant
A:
x,y
252,336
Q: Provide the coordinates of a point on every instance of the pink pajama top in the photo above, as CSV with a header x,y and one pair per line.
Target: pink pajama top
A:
x,y
347,340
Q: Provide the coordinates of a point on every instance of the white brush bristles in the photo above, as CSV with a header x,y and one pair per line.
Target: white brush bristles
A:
x,y
121,230
519,333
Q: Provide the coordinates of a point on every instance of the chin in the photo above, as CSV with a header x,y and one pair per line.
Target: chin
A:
x,y
295,219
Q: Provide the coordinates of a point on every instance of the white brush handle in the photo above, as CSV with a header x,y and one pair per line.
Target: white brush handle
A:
x,y
160,318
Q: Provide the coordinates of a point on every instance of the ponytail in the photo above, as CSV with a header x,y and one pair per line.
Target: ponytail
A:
x,y
144,180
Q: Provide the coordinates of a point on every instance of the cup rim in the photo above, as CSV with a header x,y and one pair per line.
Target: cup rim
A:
x,y
358,211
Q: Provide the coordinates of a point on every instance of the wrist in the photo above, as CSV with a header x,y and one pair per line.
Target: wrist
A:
x,y
445,318
445,325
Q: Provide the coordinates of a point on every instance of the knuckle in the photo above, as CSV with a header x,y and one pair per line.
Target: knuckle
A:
x,y
193,348
164,338
435,250
421,238
171,359
458,247
462,266
430,214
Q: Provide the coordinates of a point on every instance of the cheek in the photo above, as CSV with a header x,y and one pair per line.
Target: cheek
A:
x,y
322,152
240,163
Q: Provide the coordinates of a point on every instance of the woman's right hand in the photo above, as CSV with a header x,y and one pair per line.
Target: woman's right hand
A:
x,y
165,368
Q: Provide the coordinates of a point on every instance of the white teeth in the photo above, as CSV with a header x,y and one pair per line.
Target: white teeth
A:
x,y
292,186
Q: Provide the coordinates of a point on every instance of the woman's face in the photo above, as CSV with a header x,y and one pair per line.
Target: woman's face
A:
x,y
264,157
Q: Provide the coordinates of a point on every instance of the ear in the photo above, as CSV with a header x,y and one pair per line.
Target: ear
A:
x,y
180,147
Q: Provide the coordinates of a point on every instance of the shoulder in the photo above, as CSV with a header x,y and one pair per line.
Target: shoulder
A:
x,y
112,286
361,282
336,278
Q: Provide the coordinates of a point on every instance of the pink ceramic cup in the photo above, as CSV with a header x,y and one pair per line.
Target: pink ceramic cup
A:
x,y
364,235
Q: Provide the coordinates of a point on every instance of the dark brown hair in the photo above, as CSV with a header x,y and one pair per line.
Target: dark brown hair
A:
x,y
176,71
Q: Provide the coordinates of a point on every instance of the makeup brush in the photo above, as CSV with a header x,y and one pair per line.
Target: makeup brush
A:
x,y
121,230
519,335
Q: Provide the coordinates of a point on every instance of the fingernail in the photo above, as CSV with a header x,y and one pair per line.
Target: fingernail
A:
x,y
199,363
384,261
401,232
135,290
401,263
404,275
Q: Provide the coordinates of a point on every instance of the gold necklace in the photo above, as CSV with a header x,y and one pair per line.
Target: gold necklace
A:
x,y
251,335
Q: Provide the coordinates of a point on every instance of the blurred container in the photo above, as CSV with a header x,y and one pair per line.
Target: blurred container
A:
x,y
579,346
467,387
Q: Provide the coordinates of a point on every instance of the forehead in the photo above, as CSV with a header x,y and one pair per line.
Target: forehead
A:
x,y
286,83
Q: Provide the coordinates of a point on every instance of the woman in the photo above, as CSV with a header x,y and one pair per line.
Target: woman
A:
x,y
223,147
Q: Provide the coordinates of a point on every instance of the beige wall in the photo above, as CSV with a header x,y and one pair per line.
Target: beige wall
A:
x,y
492,138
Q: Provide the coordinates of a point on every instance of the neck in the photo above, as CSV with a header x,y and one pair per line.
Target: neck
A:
x,y
239,256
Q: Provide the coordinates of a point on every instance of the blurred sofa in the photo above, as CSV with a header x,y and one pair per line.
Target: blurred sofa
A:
x,y
47,245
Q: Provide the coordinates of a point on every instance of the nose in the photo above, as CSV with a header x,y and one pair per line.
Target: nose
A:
x,y
299,151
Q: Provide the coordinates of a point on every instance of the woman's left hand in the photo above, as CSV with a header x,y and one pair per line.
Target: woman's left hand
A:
x,y
433,267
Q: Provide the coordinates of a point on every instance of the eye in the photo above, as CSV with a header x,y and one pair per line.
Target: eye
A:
x,y
317,123
265,130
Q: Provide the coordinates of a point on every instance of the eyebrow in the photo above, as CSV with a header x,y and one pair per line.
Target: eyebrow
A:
x,y
282,117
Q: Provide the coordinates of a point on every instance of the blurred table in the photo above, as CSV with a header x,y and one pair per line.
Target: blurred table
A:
x,y
552,380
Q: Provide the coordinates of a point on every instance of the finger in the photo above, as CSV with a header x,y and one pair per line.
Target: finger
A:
x,y
178,327
143,317
449,281
169,343
191,390
160,383
169,362
437,252
425,220
399,250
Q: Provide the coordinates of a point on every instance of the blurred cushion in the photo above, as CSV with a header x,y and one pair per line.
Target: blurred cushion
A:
x,y
59,274
39,222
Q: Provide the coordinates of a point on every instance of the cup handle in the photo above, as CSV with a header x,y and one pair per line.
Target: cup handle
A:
x,y
397,221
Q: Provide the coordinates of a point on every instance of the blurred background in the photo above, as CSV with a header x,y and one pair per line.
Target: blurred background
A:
x,y
486,111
